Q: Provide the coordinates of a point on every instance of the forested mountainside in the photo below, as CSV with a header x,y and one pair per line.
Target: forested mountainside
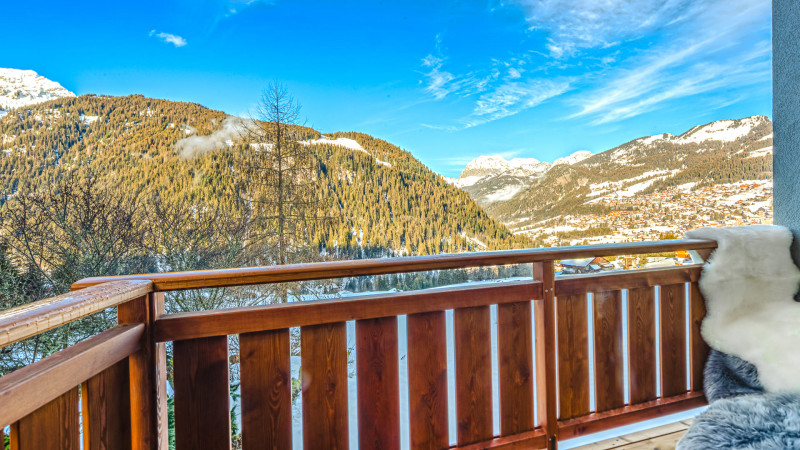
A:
x,y
383,200
717,153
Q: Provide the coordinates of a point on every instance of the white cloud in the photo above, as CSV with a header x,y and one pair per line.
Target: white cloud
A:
x,y
440,83
512,98
231,130
498,91
236,6
615,59
572,25
699,58
173,39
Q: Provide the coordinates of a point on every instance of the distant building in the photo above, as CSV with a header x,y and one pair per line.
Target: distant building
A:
x,y
661,261
585,265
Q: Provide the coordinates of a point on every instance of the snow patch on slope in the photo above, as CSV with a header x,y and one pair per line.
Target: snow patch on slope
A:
x,y
341,142
346,143
721,130
760,152
574,158
505,193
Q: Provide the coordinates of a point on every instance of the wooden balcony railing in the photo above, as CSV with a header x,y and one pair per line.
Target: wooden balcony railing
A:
x,y
122,372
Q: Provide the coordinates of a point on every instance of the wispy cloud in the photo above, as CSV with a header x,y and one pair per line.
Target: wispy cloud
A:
x,y
606,61
236,6
511,98
440,82
573,25
698,59
168,38
498,91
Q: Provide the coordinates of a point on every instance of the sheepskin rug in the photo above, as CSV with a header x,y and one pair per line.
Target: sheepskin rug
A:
x,y
756,421
749,285
727,376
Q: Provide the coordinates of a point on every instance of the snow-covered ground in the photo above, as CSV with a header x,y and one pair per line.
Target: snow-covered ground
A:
x,y
466,181
624,188
505,193
721,130
88,119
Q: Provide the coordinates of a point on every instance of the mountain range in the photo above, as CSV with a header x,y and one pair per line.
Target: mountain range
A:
x,y
383,200
524,192
386,199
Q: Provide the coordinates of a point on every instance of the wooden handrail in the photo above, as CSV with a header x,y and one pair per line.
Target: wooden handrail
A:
x,y
31,387
338,269
627,279
560,315
34,318
196,324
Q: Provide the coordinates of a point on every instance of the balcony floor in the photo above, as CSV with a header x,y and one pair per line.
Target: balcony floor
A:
x,y
664,437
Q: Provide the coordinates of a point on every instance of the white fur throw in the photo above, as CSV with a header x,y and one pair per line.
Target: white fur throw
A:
x,y
749,285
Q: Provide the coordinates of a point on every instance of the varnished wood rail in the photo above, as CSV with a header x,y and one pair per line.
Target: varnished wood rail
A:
x,y
35,318
117,371
560,310
340,269
542,325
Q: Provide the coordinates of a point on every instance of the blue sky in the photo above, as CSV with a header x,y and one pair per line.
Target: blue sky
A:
x,y
446,80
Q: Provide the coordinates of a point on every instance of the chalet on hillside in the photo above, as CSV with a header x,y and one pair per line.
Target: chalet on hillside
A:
x,y
584,265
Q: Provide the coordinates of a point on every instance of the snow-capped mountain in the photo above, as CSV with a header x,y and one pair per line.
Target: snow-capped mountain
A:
x,y
491,178
574,158
25,87
723,151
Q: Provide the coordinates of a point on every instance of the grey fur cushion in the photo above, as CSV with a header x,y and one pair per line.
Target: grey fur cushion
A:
x,y
760,421
727,376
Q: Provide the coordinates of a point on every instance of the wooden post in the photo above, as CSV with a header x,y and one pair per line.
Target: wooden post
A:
x,y
148,369
546,352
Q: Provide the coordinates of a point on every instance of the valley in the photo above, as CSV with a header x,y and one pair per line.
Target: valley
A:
x,y
717,174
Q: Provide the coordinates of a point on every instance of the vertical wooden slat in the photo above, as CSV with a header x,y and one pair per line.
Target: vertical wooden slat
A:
x,y
698,346
427,379
148,375
515,352
202,411
378,383
546,375
608,355
266,390
473,353
324,372
53,426
573,356
642,344
107,409
673,339
13,436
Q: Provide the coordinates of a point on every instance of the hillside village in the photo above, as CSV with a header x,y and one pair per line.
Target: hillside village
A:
x,y
665,213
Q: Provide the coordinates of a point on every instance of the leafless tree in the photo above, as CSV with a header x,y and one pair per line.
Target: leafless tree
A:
x,y
183,236
280,174
72,229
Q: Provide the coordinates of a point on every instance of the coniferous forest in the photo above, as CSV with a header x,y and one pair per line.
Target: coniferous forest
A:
x,y
98,185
